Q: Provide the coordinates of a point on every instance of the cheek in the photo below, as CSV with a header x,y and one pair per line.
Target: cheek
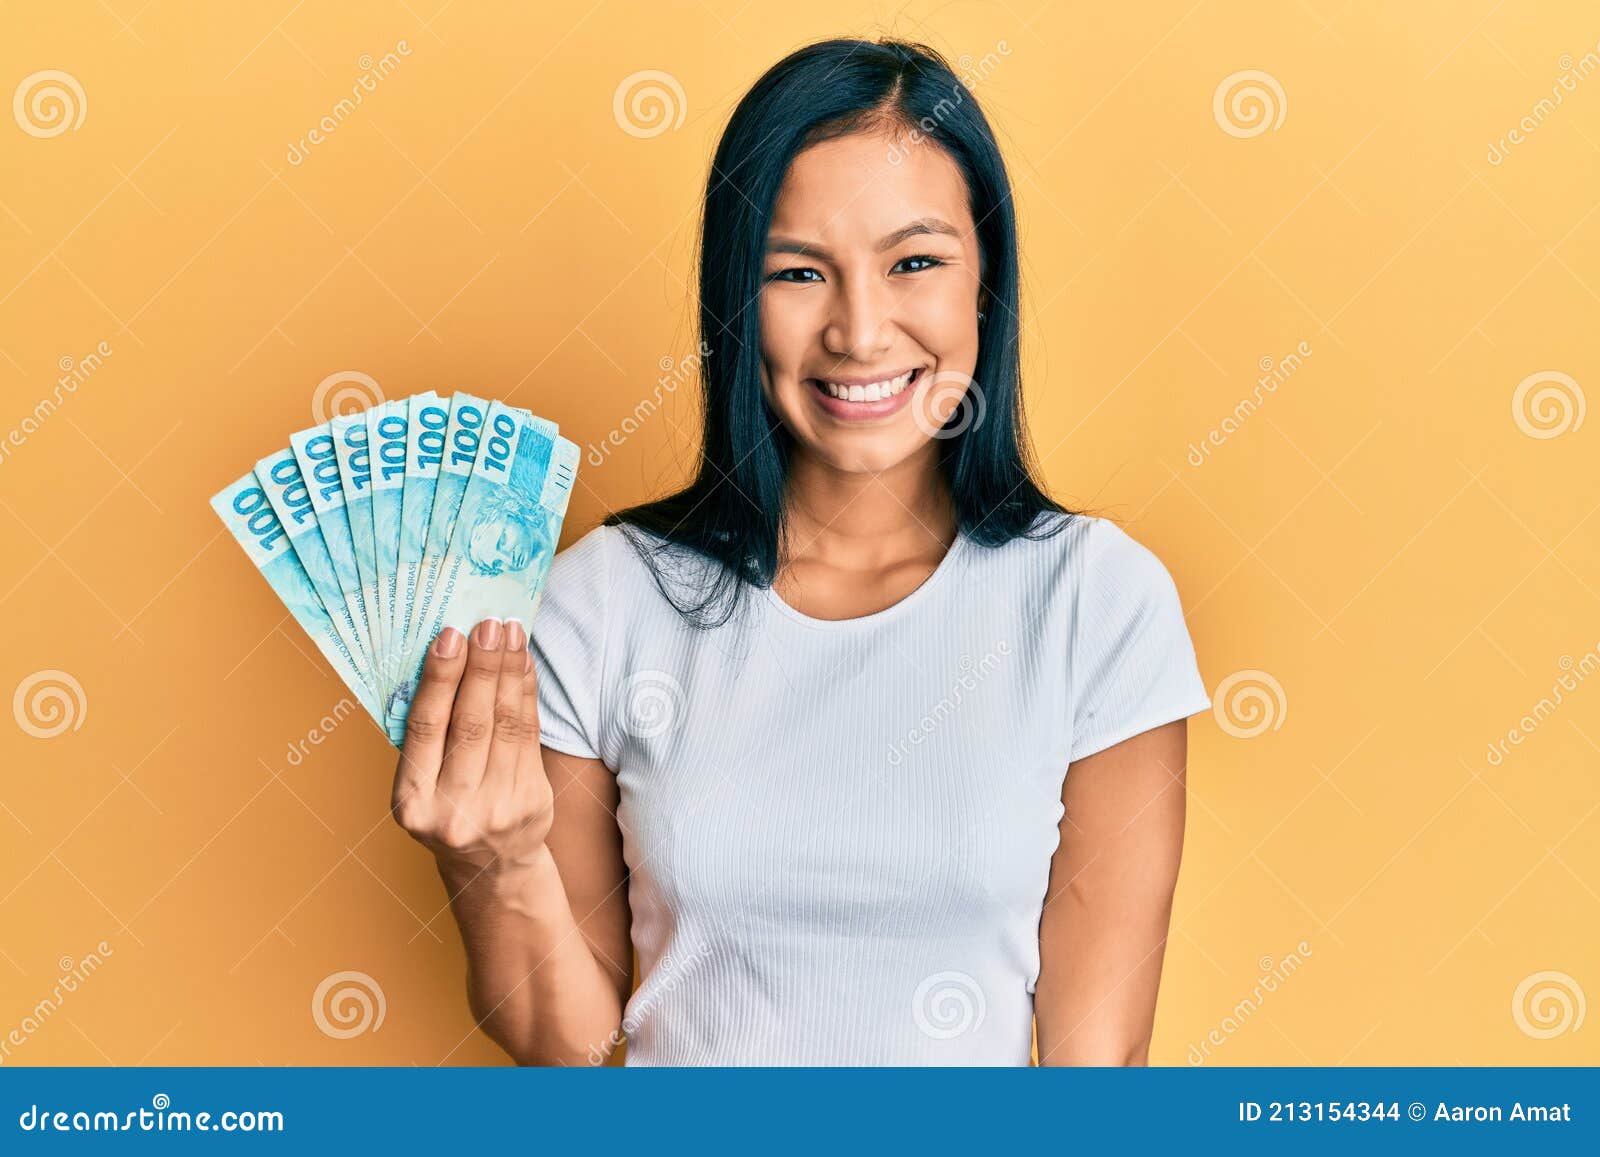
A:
x,y
783,329
785,340
948,320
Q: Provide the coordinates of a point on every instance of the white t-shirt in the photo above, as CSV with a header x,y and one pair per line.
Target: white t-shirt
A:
x,y
839,833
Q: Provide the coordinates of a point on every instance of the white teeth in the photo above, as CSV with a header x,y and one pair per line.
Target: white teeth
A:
x,y
876,392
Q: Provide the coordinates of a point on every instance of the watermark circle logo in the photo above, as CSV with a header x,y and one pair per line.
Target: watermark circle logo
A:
x,y
1548,1004
648,103
651,704
1548,404
346,392
49,103
1248,103
48,703
1248,703
948,404
948,1004
347,1004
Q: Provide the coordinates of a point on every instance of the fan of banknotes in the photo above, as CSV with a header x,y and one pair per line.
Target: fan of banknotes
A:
x,y
381,528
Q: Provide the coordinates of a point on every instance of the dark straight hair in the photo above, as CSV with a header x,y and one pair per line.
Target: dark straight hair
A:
x,y
732,514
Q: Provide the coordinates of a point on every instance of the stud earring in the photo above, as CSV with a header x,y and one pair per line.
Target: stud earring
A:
x,y
981,315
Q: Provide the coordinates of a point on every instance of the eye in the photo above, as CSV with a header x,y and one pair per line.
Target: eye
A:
x,y
932,262
780,275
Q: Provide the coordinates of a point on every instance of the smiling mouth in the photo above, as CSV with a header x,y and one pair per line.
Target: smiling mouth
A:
x,y
876,392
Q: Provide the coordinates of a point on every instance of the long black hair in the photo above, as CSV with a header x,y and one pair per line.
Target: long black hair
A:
x,y
732,513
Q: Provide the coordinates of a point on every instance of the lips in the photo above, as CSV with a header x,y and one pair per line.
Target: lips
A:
x,y
868,390
863,409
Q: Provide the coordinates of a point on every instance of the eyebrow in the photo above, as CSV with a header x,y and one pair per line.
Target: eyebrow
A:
x,y
920,227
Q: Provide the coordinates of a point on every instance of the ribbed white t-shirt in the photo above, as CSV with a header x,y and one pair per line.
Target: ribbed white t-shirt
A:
x,y
839,833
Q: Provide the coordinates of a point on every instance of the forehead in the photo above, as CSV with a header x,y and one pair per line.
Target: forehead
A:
x,y
857,188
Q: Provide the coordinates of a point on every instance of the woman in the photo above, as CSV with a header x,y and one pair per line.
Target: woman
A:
x,y
872,752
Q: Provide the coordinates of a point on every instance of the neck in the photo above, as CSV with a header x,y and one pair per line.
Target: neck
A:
x,y
867,518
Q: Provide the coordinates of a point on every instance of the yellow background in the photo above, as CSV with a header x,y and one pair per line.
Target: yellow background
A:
x,y
1382,537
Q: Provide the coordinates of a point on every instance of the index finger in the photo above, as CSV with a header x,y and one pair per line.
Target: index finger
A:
x,y
429,719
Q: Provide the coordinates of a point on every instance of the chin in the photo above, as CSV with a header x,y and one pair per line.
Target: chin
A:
x,y
862,459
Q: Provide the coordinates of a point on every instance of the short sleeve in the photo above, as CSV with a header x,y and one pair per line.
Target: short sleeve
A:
x,y
1133,663
568,644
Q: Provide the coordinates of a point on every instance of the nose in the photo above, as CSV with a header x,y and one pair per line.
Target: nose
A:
x,y
859,326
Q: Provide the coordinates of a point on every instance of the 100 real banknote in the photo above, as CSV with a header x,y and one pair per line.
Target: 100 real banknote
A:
x,y
380,529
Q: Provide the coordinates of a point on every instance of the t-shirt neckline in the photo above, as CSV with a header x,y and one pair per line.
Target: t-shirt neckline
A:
x,y
922,592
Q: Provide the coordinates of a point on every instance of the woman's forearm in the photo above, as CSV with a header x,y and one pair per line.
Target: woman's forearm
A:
x,y
533,983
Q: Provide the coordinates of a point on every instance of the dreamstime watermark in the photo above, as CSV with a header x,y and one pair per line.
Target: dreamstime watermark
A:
x,y
1571,73
948,1004
74,372
324,727
48,703
652,701
1248,703
347,1004
1573,674
973,72
972,673
674,373
1274,374
1548,404
372,71
1248,103
73,973
948,405
663,980
1548,1004
49,103
160,1117
649,102
344,392
1274,973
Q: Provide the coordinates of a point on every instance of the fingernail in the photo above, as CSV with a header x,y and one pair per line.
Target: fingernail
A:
x,y
488,633
448,644
515,638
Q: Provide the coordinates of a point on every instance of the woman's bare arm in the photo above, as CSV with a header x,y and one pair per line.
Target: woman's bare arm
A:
x,y
527,845
1109,902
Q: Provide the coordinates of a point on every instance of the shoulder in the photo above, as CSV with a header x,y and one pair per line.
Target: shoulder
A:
x,y
623,565
1089,576
1124,601
609,546
1121,568
1086,551
585,574
594,543
584,561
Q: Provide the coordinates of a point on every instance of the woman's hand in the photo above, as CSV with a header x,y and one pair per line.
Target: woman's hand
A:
x,y
470,784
